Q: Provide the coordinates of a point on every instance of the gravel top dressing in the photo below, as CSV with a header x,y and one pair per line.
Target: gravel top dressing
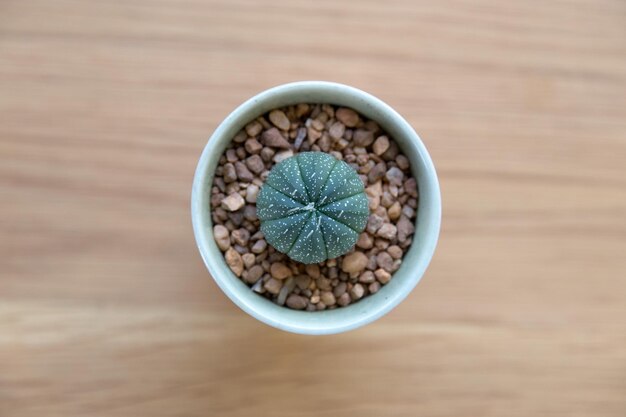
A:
x,y
313,206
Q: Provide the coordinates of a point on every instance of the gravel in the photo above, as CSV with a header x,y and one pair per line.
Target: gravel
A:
x,y
354,262
391,190
280,271
233,202
234,261
381,145
222,237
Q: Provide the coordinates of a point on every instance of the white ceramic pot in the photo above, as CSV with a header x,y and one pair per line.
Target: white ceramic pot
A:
x,y
427,223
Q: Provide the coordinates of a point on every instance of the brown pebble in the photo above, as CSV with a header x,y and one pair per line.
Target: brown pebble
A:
x,y
374,222
405,228
220,214
251,193
323,283
281,156
229,173
410,186
273,286
380,145
365,241
373,193
240,137
313,270
363,137
391,153
222,237
396,265
255,164
387,231
219,182
241,152
328,298
267,154
377,173
259,246
337,154
254,128
231,155
317,124
395,176
324,143
387,199
253,146
336,130
342,144
240,249
313,135
265,264
234,261
329,110
303,281
394,211
340,289
381,244
314,299
296,302
279,270
395,251
382,276
408,211
403,162
385,261
248,260
279,119
233,187
236,218
374,287
233,202
371,264
241,237
333,272
344,300
254,273
272,137
243,173
347,116
249,213
302,109
354,262
367,277
357,292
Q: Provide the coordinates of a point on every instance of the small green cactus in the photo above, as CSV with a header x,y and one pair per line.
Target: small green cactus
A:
x,y
312,207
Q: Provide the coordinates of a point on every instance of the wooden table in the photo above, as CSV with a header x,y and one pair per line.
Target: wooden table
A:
x,y
106,308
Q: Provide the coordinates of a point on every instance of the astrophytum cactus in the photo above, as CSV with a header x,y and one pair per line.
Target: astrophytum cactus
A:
x,y
312,207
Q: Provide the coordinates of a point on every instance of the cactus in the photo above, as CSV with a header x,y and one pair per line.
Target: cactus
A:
x,y
312,207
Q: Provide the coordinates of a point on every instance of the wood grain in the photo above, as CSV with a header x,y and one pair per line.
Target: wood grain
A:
x,y
107,310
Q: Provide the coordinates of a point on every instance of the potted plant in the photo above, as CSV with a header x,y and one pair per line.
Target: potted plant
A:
x,y
304,216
